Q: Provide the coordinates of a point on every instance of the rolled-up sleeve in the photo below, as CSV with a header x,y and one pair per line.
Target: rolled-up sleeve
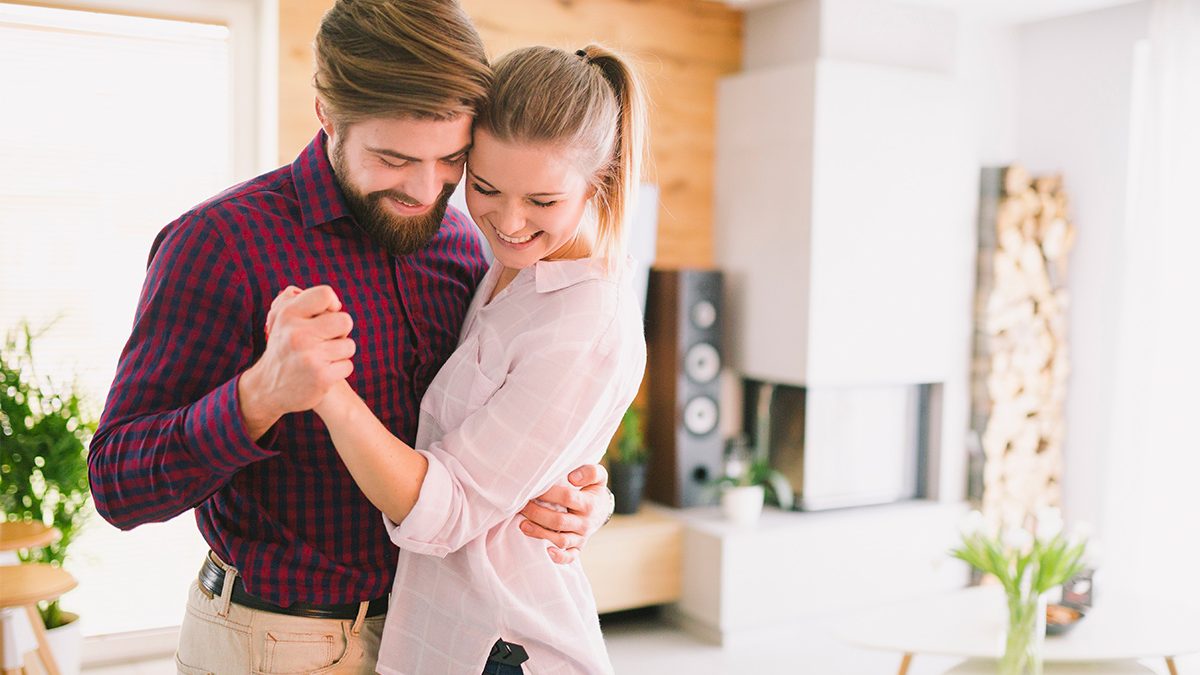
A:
x,y
551,415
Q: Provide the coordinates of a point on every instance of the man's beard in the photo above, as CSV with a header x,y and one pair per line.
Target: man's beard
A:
x,y
398,235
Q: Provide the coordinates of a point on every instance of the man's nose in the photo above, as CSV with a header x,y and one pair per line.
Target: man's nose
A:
x,y
424,184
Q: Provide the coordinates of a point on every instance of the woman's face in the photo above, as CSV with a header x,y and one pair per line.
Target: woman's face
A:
x,y
527,199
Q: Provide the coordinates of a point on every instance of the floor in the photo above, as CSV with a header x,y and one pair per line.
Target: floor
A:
x,y
642,643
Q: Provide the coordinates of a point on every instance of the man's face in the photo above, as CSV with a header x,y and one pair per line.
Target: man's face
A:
x,y
398,174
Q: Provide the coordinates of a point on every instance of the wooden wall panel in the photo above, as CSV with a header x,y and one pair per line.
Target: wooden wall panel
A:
x,y
683,46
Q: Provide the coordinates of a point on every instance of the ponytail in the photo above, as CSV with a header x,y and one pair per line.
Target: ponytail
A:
x,y
619,182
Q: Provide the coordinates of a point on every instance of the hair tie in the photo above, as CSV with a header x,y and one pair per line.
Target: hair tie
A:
x,y
581,53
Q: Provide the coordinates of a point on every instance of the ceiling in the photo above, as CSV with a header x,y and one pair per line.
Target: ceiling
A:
x,y
997,11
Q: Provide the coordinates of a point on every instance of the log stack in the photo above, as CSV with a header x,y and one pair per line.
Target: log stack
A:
x,y
1021,356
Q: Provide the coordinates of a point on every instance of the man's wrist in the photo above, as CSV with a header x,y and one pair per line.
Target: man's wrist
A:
x,y
257,414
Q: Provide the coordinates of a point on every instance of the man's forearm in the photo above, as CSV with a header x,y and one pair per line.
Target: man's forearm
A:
x,y
257,416
151,466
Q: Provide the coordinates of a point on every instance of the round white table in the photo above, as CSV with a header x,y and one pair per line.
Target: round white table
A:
x,y
970,623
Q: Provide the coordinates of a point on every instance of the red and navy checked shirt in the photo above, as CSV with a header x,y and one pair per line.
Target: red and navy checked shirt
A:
x,y
283,510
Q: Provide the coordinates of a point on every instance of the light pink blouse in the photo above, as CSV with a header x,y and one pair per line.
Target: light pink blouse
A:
x,y
536,388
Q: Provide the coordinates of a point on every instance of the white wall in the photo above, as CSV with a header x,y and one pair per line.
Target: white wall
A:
x,y
1073,115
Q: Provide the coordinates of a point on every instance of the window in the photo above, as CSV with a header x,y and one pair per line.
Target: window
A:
x,y
113,125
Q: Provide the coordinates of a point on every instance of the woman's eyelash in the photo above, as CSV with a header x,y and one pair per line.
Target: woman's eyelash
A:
x,y
488,193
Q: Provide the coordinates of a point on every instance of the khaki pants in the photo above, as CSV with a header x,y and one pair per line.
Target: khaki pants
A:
x,y
219,637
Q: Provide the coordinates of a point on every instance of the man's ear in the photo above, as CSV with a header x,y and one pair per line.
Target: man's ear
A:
x,y
326,122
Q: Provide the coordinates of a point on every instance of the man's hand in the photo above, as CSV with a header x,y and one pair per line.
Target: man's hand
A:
x,y
308,351
588,505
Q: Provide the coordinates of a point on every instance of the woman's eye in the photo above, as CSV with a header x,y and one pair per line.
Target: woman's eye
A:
x,y
487,193
543,204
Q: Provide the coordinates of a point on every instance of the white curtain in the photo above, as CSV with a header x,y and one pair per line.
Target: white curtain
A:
x,y
1152,519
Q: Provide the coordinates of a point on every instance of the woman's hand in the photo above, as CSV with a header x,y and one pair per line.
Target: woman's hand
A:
x,y
588,503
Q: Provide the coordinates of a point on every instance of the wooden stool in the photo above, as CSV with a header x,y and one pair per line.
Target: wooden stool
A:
x,y
23,586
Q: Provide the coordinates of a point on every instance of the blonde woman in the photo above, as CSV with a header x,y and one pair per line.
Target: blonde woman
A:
x,y
550,356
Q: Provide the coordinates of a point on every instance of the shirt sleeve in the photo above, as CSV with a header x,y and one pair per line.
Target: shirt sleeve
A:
x,y
172,433
543,422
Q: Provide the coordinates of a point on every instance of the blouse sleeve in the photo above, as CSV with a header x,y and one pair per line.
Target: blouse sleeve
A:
x,y
543,422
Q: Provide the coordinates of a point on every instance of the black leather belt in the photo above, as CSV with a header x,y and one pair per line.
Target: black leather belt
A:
x,y
212,580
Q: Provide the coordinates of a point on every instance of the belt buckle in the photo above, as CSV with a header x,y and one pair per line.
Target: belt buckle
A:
x,y
508,653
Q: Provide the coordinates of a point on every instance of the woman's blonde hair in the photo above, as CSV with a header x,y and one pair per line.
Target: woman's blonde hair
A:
x,y
590,102
384,58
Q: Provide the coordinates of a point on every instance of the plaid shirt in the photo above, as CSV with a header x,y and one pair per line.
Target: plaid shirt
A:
x,y
284,510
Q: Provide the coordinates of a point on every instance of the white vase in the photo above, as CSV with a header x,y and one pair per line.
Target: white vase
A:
x,y
742,505
66,643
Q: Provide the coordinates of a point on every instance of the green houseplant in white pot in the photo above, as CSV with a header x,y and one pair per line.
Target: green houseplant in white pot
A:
x,y
749,481
627,464
44,433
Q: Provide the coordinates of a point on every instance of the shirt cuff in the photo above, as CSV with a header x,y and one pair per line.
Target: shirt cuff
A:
x,y
429,516
217,433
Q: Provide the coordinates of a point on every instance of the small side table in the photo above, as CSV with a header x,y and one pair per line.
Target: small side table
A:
x,y
22,586
970,623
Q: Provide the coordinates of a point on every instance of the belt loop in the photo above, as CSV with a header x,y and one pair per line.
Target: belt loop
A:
x,y
227,591
362,615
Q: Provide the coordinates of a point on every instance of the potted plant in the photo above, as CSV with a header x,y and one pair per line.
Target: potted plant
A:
x,y
44,433
627,463
1027,559
748,482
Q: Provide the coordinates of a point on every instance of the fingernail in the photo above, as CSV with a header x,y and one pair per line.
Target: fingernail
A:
x,y
576,475
526,526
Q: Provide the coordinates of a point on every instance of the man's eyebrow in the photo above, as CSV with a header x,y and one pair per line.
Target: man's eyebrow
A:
x,y
483,180
396,155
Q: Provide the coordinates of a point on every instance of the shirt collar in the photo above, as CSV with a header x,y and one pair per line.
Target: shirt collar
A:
x,y
554,275
321,199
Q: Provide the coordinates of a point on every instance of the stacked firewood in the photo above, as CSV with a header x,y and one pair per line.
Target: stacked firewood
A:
x,y
1021,342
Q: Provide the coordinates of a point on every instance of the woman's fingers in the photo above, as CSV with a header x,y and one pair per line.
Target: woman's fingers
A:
x,y
563,540
563,557
555,521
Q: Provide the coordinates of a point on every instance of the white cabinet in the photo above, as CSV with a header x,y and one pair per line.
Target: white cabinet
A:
x,y
844,223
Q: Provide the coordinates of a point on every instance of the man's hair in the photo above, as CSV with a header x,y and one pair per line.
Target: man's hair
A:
x,y
396,58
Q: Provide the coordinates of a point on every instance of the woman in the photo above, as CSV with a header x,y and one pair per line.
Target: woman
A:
x,y
551,355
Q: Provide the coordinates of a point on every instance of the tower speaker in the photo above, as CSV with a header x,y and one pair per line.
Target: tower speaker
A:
x,y
683,338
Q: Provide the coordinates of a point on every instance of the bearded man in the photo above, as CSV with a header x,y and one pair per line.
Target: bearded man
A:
x,y
204,414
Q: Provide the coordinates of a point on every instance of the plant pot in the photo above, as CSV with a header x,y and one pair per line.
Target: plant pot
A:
x,y
627,482
742,504
66,643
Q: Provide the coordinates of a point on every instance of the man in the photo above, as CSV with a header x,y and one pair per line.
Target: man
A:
x,y
204,412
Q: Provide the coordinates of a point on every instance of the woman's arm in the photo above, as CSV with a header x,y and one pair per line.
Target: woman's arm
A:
x,y
387,470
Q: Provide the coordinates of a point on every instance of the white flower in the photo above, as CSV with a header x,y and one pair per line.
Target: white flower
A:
x,y
1049,523
1017,539
971,524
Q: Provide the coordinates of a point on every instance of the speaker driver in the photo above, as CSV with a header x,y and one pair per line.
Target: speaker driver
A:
x,y
700,416
704,314
702,363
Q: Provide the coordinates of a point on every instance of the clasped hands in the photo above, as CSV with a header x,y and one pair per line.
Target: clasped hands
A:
x,y
308,357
